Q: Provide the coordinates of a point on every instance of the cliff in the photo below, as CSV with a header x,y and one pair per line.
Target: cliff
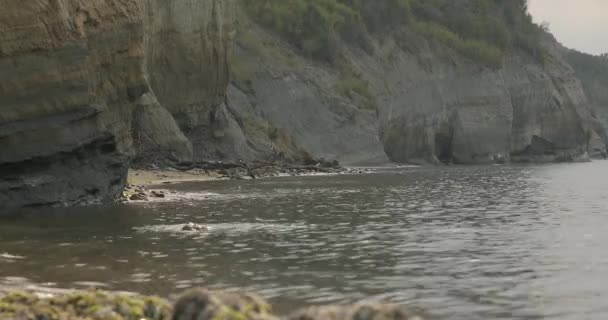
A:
x,y
88,88
415,92
77,91
69,72
593,73
187,44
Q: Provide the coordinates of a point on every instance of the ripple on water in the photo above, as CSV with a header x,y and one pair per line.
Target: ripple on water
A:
x,y
226,228
10,257
497,242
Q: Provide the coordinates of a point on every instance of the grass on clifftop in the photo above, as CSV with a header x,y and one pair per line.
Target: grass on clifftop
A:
x,y
477,50
353,85
483,30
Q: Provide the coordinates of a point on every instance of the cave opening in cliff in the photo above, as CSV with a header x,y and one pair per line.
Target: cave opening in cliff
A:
x,y
443,147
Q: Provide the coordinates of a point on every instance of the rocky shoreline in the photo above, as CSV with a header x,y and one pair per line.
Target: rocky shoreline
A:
x,y
146,185
198,304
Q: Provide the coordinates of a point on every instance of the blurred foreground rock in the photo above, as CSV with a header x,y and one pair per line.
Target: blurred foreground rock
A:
x,y
194,305
362,311
88,305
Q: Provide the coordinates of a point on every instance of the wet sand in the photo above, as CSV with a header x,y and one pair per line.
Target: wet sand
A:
x,y
149,178
147,185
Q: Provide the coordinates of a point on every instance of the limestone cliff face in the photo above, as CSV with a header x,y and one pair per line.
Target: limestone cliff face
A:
x,y
446,108
426,103
187,45
69,72
75,91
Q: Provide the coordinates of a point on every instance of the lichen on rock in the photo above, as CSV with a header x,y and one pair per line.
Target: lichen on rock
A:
x,y
196,304
87,305
221,305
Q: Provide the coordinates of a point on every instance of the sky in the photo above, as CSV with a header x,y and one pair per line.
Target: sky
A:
x,y
577,24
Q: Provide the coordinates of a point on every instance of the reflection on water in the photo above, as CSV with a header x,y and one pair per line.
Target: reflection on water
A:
x,y
495,242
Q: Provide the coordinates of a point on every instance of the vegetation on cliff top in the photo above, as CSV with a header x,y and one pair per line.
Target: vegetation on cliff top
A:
x,y
484,30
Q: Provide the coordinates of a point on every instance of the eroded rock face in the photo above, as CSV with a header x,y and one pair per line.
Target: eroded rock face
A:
x,y
187,47
157,138
69,73
429,104
449,110
75,81
188,43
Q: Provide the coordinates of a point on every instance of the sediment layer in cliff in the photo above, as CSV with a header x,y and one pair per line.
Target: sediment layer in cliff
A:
x,y
69,72
77,92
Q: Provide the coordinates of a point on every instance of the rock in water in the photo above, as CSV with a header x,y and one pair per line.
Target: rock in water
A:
x,y
157,194
138,197
194,227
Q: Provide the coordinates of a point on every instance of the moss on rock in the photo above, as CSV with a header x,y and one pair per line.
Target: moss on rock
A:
x,y
196,304
86,305
202,304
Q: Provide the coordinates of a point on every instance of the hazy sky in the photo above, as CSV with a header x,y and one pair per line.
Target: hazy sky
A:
x,y
578,24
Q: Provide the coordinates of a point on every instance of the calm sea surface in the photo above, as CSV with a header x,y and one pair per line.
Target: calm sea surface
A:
x,y
493,242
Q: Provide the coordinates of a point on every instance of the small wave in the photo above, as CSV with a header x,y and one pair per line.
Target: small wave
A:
x,y
221,228
10,256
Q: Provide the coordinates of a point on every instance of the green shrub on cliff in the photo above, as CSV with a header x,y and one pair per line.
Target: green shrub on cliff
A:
x,y
351,83
475,49
308,24
483,30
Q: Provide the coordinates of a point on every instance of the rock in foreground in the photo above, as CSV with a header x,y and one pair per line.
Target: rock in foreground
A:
x,y
194,305
93,305
363,311
207,305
